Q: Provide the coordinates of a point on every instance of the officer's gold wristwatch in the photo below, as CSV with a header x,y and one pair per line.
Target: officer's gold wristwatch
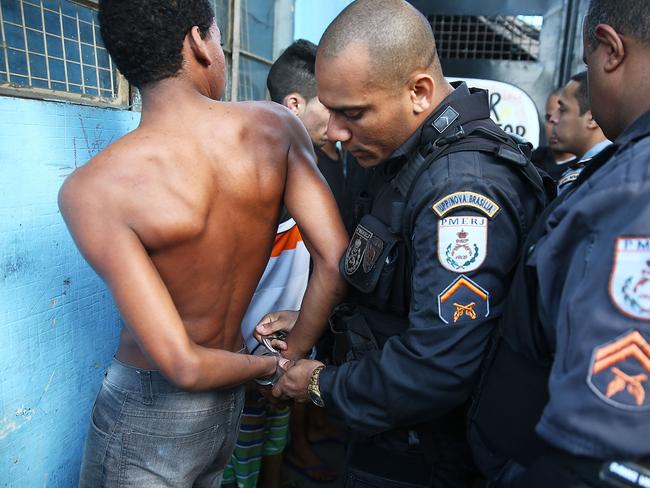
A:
x,y
313,389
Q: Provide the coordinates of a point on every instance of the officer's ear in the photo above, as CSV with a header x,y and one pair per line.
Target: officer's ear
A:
x,y
295,102
613,46
421,88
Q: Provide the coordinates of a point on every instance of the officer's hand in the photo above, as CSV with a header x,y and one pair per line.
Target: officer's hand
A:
x,y
274,323
295,380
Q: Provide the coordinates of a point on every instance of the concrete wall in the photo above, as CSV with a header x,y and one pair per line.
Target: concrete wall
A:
x,y
58,324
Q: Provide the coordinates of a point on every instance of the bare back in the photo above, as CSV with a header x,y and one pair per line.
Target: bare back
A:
x,y
202,193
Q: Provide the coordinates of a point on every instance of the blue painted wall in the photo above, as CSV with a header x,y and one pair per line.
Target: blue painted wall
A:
x,y
58,324
313,16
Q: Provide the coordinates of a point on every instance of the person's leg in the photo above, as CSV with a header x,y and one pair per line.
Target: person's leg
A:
x,y
320,427
275,440
300,454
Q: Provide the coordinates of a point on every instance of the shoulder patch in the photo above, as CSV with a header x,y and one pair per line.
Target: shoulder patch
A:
x,y
445,119
357,249
463,301
619,372
462,242
465,199
629,283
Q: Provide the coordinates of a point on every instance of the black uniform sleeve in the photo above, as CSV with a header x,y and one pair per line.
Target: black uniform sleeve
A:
x,y
466,240
594,276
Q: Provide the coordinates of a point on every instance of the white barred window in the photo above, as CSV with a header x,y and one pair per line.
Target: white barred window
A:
x,y
54,48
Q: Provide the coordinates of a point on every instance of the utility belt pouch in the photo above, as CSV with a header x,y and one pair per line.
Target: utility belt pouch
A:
x,y
353,338
370,250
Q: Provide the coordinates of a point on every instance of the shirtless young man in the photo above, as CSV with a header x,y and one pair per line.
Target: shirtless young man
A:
x,y
179,218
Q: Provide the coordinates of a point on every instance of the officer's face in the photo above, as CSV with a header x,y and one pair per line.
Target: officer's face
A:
x,y
570,127
551,106
370,120
315,118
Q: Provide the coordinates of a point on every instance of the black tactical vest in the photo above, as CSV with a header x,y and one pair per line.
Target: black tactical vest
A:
x,y
378,263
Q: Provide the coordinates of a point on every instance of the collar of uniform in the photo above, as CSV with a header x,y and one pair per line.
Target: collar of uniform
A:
x,y
639,128
597,148
469,104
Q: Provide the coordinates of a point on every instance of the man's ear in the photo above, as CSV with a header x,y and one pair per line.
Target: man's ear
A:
x,y
613,46
198,46
591,122
295,102
422,88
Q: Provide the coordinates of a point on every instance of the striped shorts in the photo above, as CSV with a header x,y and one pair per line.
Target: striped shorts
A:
x,y
263,432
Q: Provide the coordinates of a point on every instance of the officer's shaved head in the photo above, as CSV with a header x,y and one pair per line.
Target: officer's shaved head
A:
x,y
630,17
399,39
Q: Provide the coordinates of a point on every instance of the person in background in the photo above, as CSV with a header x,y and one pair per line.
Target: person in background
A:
x,y
551,161
575,130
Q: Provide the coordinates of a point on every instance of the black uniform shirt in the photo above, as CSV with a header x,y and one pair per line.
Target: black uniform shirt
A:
x,y
471,213
593,269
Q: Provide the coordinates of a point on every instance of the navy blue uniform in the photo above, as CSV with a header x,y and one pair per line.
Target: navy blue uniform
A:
x,y
591,271
434,300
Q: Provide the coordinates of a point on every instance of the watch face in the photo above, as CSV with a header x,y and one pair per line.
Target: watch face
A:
x,y
315,398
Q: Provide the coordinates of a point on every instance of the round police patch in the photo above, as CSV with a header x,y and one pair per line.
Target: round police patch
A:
x,y
629,284
462,242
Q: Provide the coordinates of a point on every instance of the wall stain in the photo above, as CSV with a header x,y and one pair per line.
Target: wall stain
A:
x,y
7,427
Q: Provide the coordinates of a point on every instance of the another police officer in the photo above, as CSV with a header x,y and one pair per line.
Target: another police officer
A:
x,y
565,401
449,206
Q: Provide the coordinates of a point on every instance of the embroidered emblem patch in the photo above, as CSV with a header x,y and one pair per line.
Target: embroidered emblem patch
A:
x,y
465,199
445,119
462,242
463,301
629,284
356,249
619,372
373,251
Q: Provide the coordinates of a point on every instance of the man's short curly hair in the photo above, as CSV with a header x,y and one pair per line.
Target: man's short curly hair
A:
x,y
145,37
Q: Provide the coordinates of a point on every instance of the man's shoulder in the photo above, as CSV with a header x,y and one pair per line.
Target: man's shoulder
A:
x,y
256,111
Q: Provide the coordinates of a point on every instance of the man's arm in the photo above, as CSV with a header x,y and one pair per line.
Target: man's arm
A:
x,y
98,221
310,202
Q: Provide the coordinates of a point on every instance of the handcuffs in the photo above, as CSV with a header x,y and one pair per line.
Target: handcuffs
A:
x,y
265,348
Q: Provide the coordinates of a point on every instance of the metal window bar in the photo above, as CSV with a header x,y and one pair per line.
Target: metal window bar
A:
x,y
3,46
479,37
47,64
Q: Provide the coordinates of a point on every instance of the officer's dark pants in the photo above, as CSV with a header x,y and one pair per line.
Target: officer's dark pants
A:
x,y
442,461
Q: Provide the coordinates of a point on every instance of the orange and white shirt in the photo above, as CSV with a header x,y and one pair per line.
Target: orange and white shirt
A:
x,y
284,281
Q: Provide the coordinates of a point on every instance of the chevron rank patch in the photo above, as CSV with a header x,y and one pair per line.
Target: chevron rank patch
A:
x,y
463,301
465,199
462,242
629,283
620,370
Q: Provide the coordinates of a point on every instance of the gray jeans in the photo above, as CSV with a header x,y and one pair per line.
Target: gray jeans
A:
x,y
145,432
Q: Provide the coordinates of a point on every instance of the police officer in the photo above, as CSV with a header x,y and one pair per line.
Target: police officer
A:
x,y
449,205
565,399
